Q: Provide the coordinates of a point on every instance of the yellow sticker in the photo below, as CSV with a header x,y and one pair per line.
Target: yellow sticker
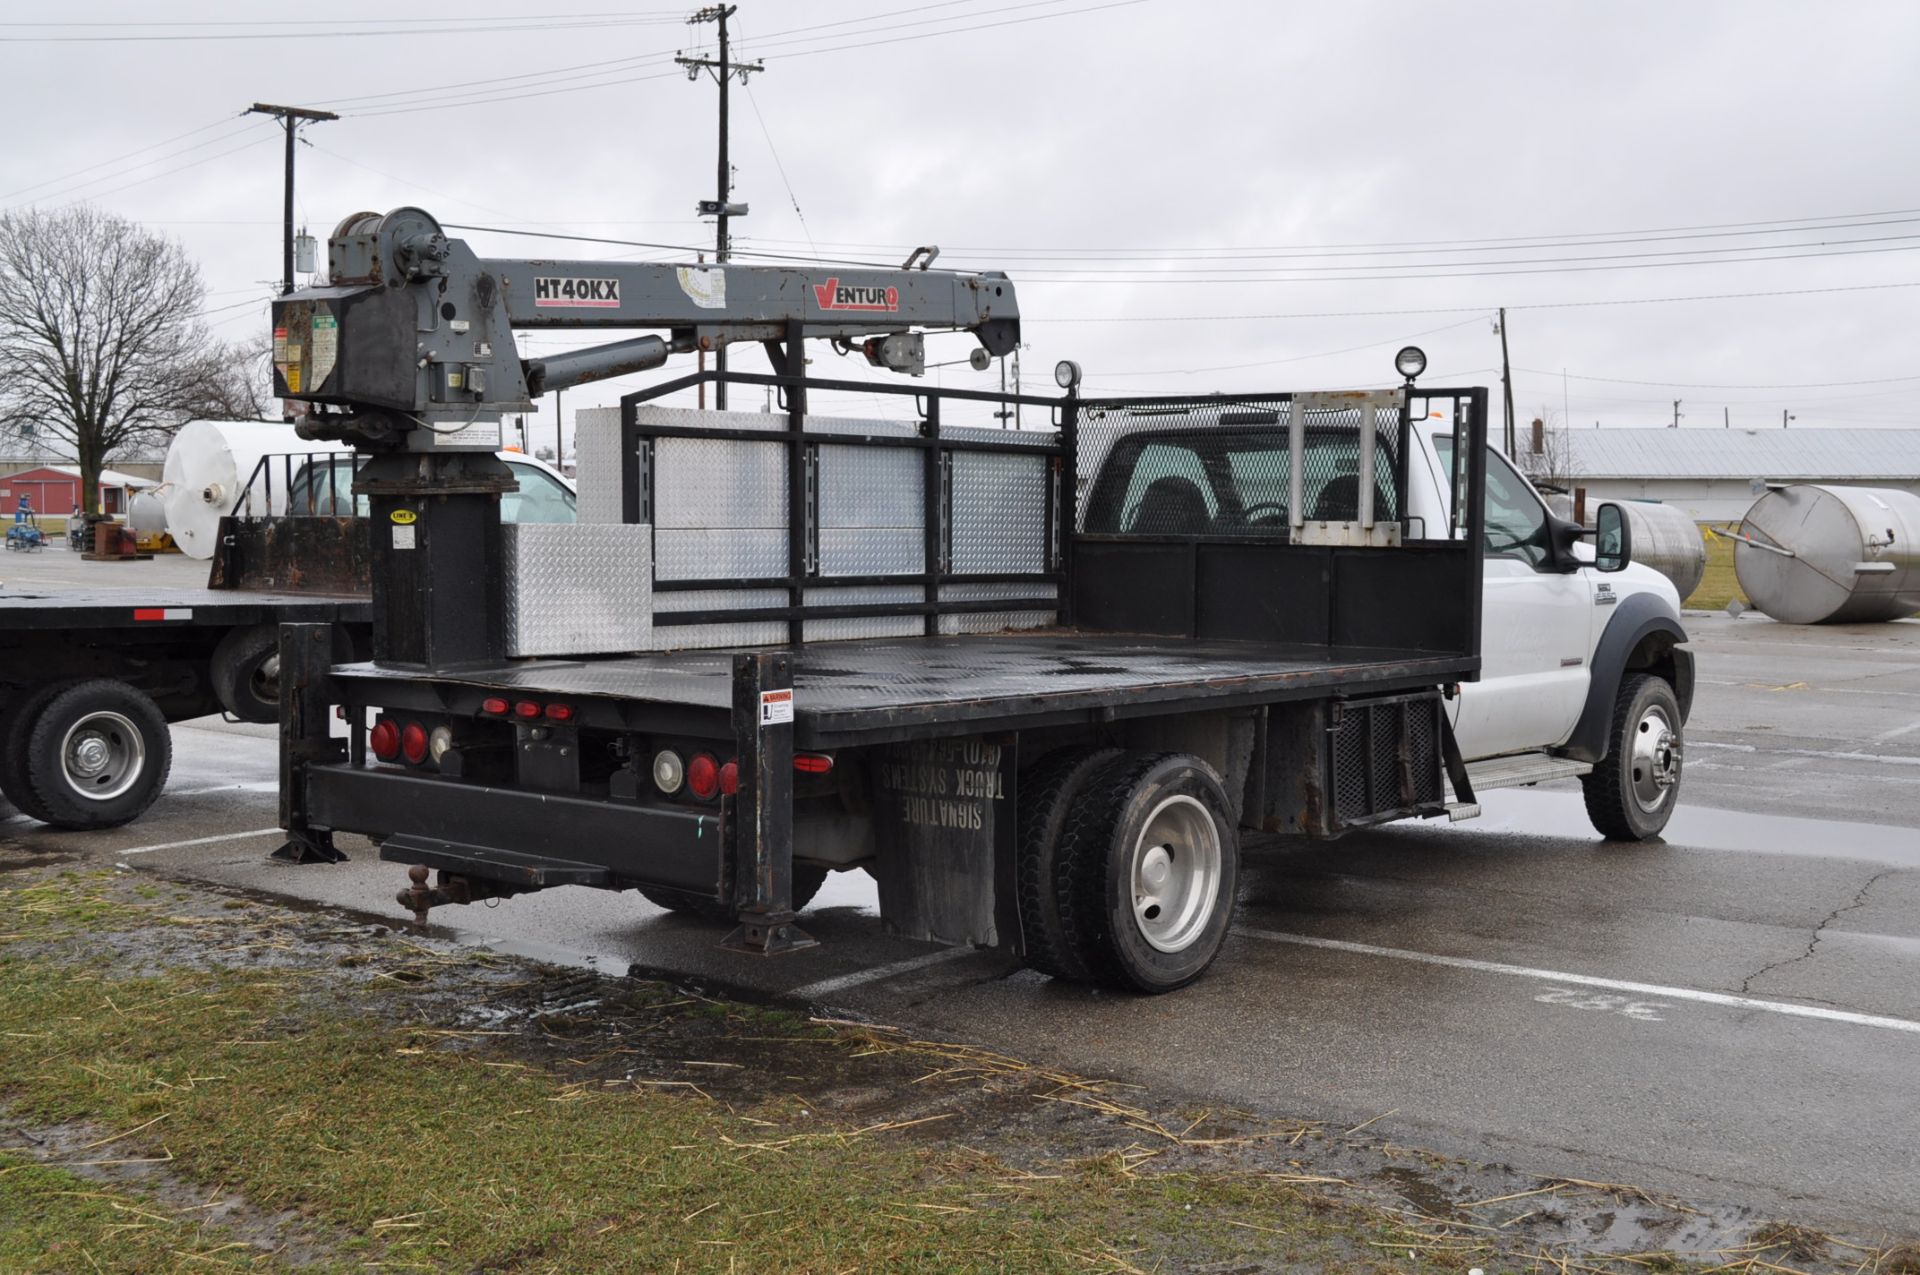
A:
x,y
404,516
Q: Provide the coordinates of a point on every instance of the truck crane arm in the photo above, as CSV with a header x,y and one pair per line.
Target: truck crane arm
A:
x,y
413,329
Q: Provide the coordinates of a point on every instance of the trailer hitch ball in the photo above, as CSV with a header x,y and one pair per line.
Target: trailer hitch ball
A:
x,y
417,898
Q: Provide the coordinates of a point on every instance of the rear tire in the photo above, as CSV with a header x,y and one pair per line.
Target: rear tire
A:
x,y
1050,929
1632,792
1151,855
16,724
97,755
245,672
807,880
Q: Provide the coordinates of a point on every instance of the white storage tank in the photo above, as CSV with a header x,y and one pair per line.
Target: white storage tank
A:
x,y
1667,539
1831,555
208,466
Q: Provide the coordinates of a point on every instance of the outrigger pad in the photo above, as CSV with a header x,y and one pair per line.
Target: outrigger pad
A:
x,y
768,936
309,847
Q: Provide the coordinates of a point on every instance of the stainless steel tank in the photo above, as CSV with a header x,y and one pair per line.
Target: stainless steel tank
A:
x,y
1667,539
1831,555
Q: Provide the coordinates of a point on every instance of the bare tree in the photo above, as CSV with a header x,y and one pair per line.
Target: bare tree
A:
x,y
101,346
1546,453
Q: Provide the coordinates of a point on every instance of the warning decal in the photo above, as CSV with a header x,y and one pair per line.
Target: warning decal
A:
x,y
776,707
705,288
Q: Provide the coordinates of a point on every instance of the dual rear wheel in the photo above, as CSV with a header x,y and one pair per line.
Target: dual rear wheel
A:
x,y
1127,868
83,754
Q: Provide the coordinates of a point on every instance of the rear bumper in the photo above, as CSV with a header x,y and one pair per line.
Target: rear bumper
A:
x,y
525,839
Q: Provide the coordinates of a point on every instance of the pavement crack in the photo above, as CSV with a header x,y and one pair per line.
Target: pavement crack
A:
x,y
1819,932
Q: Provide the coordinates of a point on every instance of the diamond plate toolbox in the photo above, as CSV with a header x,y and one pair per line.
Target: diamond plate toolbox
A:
x,y
580,589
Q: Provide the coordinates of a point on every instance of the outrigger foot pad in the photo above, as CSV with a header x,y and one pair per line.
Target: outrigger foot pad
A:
x,y
768,936
309,847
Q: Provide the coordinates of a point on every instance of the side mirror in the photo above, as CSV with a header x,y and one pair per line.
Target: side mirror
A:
x,y
1612,538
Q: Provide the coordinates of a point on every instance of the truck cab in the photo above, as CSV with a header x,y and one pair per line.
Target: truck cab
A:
x,y
1584,670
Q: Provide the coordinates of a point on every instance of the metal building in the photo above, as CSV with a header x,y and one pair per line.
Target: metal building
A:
x,y
1715,475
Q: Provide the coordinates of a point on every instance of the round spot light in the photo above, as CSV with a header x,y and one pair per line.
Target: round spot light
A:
x,y
1410,362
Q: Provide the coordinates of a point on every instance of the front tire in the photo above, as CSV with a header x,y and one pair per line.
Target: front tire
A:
x,y
1632,793
97,755
1153,855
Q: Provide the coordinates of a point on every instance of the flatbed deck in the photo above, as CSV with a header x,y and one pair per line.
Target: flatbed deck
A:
x,y
30,608
884,689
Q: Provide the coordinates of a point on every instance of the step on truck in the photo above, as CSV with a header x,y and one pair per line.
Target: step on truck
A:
x,y
1039,682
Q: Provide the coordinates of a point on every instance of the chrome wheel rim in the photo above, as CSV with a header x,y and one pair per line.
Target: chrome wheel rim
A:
x,y
102,755
1175,874
1654,759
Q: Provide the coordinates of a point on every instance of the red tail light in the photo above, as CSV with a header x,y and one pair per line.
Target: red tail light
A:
x,y
703,776
527,708
494,704
813,763
730,778
413,742
384,739
560,712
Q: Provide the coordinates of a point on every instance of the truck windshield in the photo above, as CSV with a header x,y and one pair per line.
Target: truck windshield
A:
x,y
325,488
1231,483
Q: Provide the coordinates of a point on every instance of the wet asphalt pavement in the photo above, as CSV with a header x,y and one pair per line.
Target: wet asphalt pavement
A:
x,y
1732,1015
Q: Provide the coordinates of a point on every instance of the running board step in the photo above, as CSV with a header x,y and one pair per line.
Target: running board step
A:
x,y
1525,768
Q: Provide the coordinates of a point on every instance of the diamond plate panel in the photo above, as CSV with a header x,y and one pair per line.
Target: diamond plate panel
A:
x,y
864,626
994,621
870,487
576,589
864,551
596,459
999,512
681,637
714,554
719,482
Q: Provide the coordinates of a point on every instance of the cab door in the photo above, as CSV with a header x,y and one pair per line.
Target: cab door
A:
x,y
1536,626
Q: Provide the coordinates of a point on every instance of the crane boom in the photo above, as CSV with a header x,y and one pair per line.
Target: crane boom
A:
x,y
414,329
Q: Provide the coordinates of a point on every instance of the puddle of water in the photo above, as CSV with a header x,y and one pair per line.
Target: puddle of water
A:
x,y
1562,814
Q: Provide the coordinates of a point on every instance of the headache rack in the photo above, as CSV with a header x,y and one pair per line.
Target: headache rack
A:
x,y
1207,516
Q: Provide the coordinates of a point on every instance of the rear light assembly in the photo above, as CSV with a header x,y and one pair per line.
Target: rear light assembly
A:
x,y
813,763
494,705
526,708
560,712
413,742
730,778
669,772
703,776
384,740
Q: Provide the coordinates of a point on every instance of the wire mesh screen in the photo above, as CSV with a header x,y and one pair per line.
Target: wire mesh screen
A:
x,y
1215,468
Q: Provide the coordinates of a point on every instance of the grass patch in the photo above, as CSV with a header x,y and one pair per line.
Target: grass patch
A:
x,y
1719,585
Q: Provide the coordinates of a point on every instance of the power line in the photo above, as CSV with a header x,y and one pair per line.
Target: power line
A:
x,y
178,137
68,188
179,168
1781,223
1693,385
340,33
1462,309
1298,358
479,98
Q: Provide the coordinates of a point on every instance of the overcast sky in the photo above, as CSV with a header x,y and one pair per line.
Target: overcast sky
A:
x,y
1238,196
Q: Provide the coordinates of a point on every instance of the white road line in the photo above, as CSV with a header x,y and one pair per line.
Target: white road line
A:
x,y
1588,980
828,986
1832,754
199,841
1896,732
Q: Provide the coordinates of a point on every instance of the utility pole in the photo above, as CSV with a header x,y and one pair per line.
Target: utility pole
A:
x,y
1676,415
1506,382
719,207
290,117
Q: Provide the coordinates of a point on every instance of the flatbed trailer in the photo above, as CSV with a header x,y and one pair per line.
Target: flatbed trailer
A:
x,y
92,676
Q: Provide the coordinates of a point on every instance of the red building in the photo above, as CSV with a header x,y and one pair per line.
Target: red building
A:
x,y
55,490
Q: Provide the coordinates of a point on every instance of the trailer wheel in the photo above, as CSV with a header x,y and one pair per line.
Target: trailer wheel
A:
x,y
16,723
1050,928
807,881
97,755
245,672
1632,792
1151,850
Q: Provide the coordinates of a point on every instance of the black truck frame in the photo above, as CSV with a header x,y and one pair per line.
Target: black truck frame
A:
x,y
1258,678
